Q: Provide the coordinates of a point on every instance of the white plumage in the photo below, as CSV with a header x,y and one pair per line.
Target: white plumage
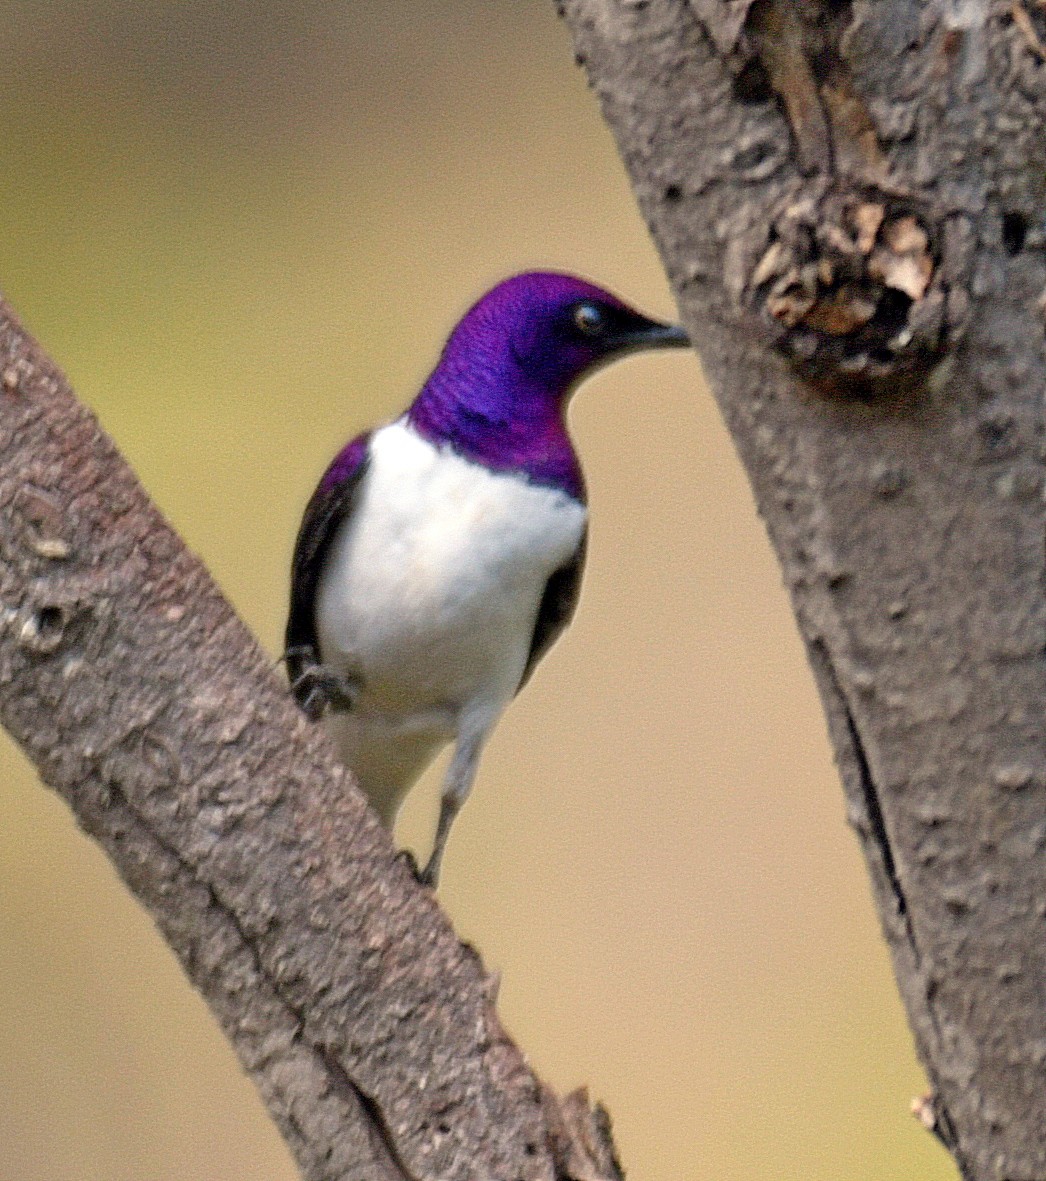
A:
x,y
428,601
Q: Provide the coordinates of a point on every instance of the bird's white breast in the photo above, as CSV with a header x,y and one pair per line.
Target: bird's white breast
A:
x,y
432,586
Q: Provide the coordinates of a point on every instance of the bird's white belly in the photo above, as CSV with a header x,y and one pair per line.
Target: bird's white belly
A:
x,y
430,594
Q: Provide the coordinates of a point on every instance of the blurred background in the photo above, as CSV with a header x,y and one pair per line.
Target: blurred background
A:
x,y
244,229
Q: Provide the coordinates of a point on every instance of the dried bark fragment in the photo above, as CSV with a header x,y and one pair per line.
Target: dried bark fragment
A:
x,y
846,286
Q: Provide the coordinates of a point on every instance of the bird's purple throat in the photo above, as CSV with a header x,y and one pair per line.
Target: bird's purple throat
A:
x,y
499,393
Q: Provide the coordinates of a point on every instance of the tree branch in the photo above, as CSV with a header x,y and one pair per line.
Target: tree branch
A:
x,y
847,198
367,1026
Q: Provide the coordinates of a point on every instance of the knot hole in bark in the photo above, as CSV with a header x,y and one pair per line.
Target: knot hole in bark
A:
x,y
852,288
44,629
50,625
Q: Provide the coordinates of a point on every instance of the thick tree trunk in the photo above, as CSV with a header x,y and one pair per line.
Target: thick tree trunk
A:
x,y
848,199
368,1028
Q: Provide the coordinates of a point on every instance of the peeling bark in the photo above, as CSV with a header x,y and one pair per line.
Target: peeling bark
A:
x,y
848,199
369,1029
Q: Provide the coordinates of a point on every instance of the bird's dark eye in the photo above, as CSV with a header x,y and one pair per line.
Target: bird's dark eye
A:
x,y
589,319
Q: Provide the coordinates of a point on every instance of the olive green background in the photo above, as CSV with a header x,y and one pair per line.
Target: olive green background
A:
x,y
244,230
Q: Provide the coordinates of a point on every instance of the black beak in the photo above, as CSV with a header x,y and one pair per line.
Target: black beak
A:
x,y
648,334
667,336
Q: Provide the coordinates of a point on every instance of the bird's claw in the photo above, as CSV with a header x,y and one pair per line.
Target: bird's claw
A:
x,y
428,877
319,689
411,862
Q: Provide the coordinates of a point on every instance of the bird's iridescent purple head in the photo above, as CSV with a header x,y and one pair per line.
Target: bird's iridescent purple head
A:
x,y
499,392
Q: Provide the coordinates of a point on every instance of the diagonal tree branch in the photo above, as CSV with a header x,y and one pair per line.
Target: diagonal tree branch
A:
x,y
847,198
367,1026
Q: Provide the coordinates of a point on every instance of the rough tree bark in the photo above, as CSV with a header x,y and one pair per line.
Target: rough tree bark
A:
x,y
127,679
848,198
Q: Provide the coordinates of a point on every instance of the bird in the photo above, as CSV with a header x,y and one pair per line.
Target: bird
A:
x,y
441,554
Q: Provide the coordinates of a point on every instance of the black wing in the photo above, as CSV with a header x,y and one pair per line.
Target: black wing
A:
x,y
331,503
558,604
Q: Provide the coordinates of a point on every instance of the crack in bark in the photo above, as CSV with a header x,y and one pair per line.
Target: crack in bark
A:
x,y
342,1082
874,832
875,827
874,811
832,129
381,1133
777,35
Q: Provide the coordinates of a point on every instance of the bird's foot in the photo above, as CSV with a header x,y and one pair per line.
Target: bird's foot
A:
x,y
428,877
319,688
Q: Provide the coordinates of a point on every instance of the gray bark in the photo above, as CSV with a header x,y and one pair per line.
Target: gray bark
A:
x,y
367,1026
847,196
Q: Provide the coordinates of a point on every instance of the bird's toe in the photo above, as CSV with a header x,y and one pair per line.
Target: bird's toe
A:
x,y
320,688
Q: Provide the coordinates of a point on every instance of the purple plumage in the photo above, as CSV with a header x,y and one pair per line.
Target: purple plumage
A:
x,y
345,464
498,395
